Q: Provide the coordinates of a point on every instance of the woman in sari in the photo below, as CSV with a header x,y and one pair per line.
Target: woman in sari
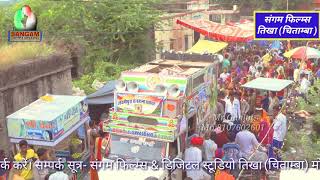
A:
x,y
101,145
265,134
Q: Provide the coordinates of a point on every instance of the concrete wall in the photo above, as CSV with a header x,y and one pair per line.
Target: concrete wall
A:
x,y
25,82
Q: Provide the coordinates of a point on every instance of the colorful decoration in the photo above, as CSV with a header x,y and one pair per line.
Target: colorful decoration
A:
x,y
138,103
164,130
219,31
148,81
48,118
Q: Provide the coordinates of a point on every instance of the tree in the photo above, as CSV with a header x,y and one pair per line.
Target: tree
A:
x,y
292,4
111,30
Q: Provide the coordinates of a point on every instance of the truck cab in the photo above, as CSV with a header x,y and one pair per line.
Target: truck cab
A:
x,y
154,107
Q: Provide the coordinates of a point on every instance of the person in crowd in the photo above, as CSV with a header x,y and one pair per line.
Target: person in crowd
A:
x,y
317,74
247,142
209,145
289,71
252,101
296,74
192,133
258,99
226,62
280,130
81,133
231,149
3,172
252,69
92,134
274,101
103,119
29,155
265,102
244,106
40,174
246,65
220,107
280,75
101,145
224,75
258,72
265,133
221,136
59,175
304,87
194,154
233,107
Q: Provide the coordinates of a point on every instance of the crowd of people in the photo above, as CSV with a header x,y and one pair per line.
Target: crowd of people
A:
x,y
259,115
98,145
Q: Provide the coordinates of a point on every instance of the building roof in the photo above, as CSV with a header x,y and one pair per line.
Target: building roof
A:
x,y
182,67
205,46
221,11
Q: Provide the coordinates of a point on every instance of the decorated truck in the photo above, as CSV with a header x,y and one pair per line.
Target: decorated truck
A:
x,y
155,105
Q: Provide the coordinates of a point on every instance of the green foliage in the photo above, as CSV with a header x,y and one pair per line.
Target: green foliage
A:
x,y
308,145
111,31
292,4
248,6
104,71
29,50
116,25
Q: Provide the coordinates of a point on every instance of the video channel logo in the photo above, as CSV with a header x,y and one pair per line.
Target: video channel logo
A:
x,y
25,26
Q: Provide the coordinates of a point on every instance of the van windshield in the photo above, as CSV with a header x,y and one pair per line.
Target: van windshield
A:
x,y
135,149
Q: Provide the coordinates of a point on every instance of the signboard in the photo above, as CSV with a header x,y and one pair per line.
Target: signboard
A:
x,y
47,120
140,104
163,129
147,81
286,25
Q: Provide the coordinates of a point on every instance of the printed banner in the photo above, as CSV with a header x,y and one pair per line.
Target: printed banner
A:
x,y
286,25
139,104
47,119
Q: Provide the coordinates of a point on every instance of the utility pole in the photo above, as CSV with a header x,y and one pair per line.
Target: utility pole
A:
x,y
287,5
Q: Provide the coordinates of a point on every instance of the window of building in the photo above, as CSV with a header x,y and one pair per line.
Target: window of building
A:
x,y
186,42
172,44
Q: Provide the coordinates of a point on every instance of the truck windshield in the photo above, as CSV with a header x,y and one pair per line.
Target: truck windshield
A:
x,y
135,149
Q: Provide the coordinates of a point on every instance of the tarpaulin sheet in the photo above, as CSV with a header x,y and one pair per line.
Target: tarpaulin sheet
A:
x,y
205,46
219,31
268,84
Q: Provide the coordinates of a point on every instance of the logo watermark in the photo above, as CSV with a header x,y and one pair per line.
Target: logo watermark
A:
x,y
25,26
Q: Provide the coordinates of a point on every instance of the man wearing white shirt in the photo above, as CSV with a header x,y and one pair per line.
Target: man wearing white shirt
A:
x,y
247,142
280,130
252,70
59,175
224,75
209,146
304,87
233,107
194,154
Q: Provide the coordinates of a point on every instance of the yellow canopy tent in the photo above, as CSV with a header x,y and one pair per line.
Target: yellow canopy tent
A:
x,y
205,46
